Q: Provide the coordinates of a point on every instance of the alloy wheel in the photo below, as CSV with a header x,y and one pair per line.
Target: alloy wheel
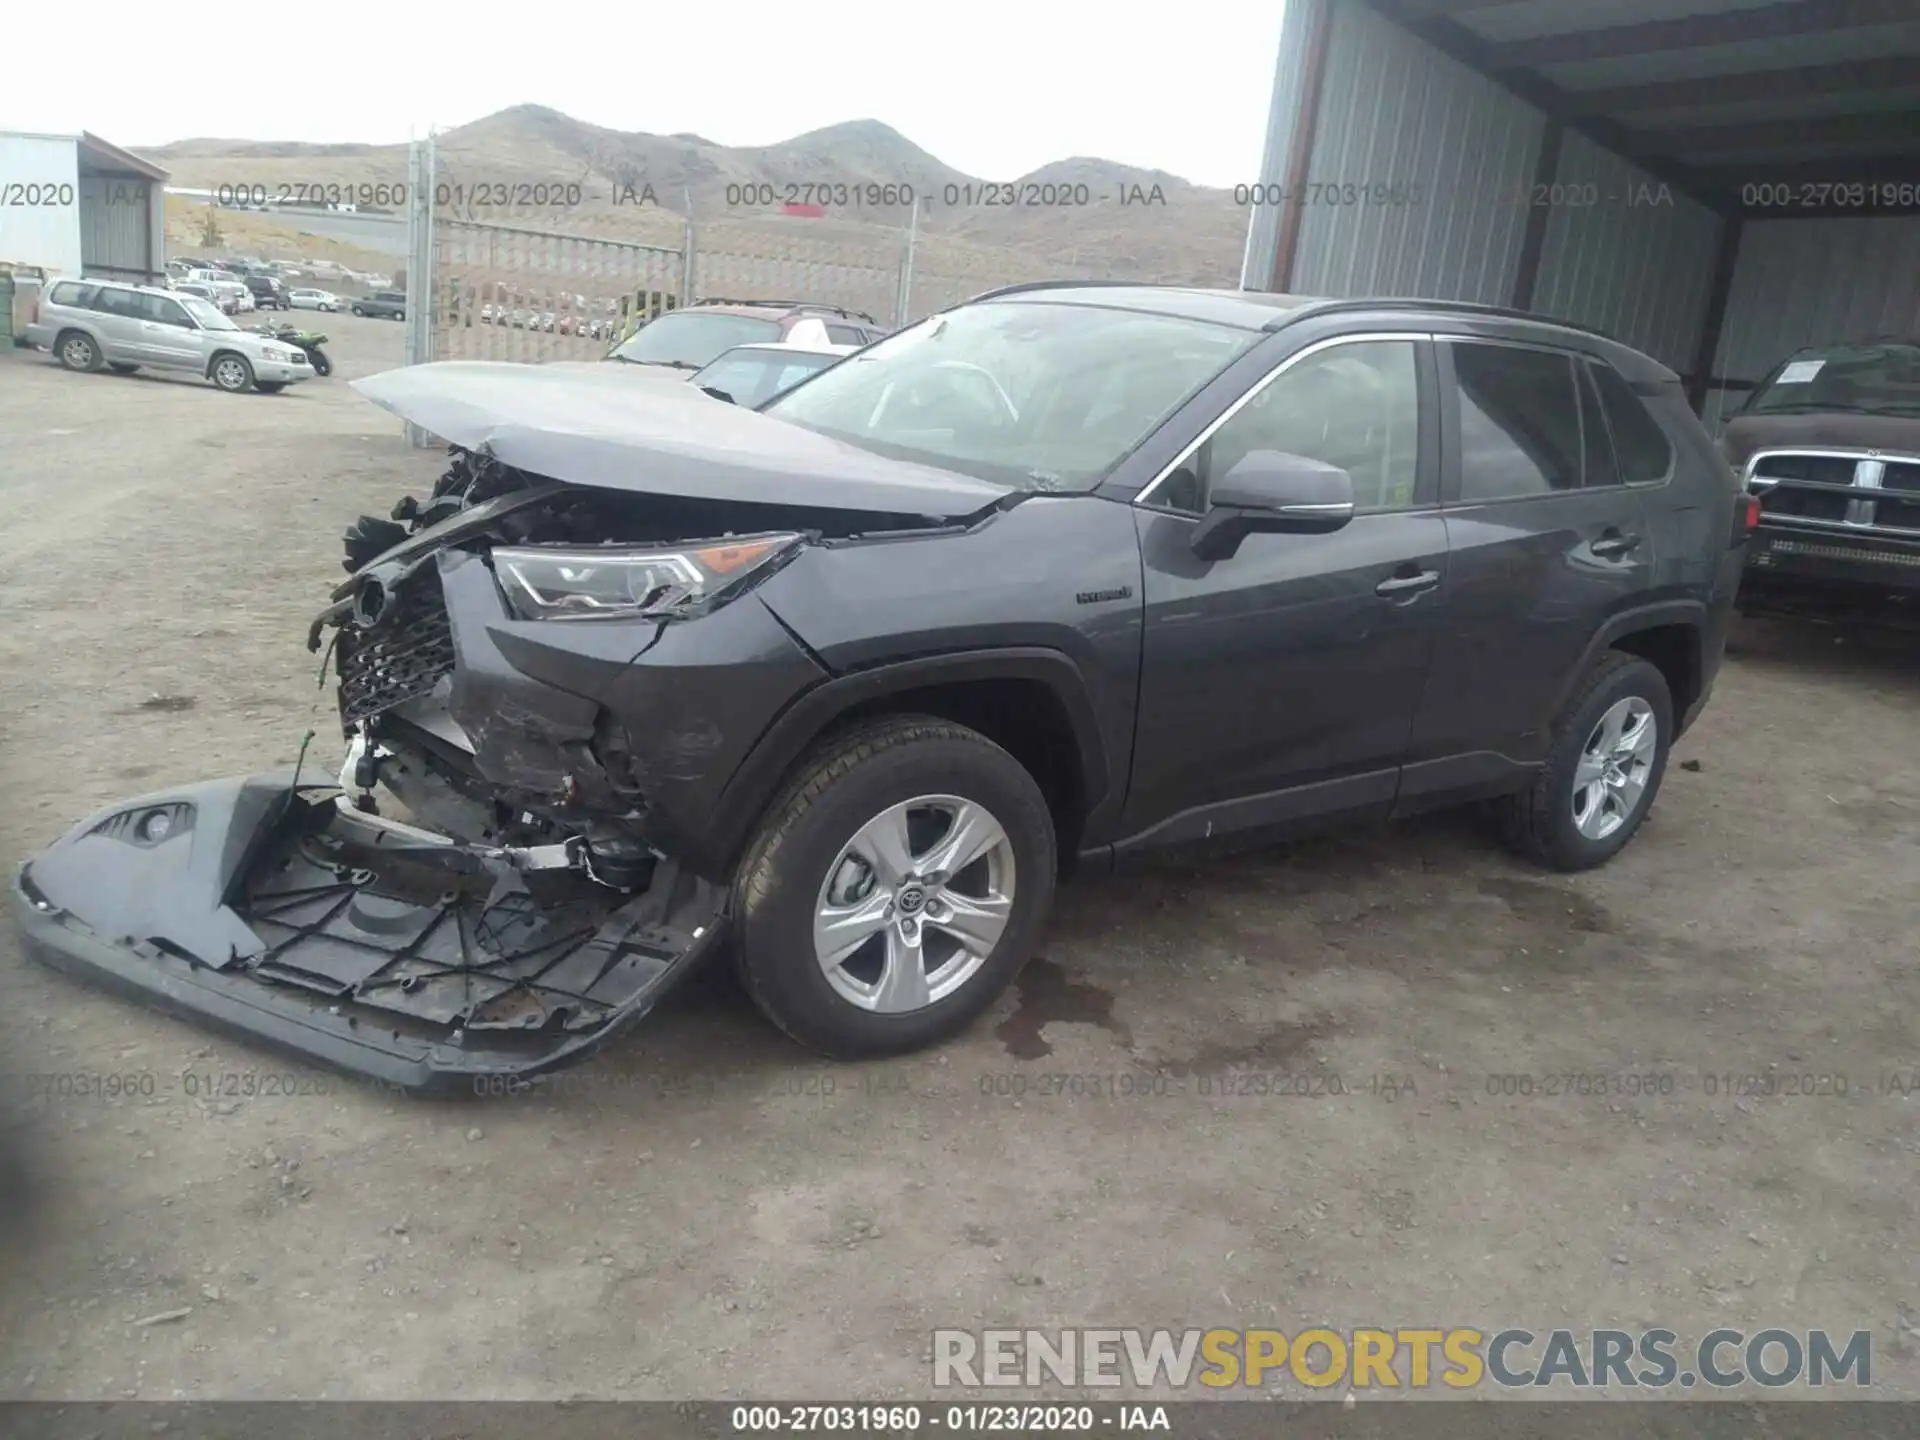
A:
x,y
914,904
1610,781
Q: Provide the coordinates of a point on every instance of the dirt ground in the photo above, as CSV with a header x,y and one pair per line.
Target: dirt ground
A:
x,y
706,1211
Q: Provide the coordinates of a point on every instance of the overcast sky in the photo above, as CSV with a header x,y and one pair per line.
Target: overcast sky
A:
x,y
993,87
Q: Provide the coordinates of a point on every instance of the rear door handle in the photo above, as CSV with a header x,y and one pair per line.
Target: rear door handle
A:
x,y
1398,585
1612,545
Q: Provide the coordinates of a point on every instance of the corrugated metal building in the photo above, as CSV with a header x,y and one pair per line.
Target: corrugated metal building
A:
x,y
1716,182
74,204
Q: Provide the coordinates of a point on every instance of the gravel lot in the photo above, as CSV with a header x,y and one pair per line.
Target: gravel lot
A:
x,y
707,1212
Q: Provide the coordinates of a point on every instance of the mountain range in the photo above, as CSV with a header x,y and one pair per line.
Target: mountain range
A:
x,y
1090,214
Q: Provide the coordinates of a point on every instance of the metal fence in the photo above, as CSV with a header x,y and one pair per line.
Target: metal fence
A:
x,y
517,290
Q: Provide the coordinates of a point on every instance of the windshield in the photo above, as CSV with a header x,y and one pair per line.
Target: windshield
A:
x,y
206,315
753,377
1041,396
1879,378
693,340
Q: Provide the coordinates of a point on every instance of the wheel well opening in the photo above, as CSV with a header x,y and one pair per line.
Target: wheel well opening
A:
x,y
1023,717
1674,651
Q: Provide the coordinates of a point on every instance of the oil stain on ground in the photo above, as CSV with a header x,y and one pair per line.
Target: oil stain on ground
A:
x,y
1279,1047
1047,997
1533,903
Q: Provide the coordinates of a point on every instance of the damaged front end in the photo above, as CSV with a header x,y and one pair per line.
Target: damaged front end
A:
x,y
549,670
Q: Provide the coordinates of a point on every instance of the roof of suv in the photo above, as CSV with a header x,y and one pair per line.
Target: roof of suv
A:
x,y
1262,310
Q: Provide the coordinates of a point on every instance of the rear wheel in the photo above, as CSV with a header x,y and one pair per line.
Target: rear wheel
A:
x,y
1604,767
77,351
895,888
269,387
232,373
119,368
321,364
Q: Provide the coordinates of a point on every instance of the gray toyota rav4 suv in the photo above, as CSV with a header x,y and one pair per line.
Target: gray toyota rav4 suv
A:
x,y
1055,578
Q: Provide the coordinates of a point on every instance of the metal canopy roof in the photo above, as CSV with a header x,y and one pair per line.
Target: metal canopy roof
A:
x,y
1713,96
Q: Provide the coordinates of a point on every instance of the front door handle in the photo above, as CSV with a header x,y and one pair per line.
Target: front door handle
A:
x,y
1398,585
1613,545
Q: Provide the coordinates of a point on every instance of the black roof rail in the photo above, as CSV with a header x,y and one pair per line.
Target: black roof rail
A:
x,y
1451,307
1026,285
790,305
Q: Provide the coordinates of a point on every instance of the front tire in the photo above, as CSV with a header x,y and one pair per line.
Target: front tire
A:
x,y
232,373
895,888
269,387
1604,767
321,364
120,368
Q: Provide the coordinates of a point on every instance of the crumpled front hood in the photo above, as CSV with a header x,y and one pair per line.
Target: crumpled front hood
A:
x,y
608,431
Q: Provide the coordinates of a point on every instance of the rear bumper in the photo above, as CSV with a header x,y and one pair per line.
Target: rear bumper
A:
x,y
269,914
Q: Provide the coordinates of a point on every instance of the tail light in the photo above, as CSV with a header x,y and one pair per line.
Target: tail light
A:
x,y
1746,516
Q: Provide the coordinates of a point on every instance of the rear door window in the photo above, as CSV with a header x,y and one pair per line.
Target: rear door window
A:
x,y
1646,455
1518,421
1597,444
111,301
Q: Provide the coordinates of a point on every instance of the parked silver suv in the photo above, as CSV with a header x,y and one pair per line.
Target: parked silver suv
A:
x,y
95,324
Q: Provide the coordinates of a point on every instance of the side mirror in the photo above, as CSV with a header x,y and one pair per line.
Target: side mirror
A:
x,y
1271,491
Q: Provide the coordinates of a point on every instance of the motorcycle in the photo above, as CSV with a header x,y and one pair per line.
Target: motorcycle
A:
x,y
307,340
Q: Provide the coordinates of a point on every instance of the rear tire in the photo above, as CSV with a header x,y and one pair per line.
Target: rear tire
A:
x,y
1604,766
77,351
232,373
918,983
269,387
120,368
321,364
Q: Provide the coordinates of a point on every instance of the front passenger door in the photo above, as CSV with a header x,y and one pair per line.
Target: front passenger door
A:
x,y
172,339
1280,684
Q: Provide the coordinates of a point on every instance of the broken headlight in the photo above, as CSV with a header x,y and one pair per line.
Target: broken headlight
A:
x,y
551,583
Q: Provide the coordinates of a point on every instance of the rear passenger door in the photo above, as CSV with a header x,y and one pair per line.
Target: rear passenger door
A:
x,y
1544,542
117,316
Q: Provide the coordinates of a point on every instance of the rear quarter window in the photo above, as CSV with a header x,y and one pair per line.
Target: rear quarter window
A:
x,y
1641,447
69,292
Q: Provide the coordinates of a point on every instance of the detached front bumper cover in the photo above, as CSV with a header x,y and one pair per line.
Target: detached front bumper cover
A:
x,y
422,965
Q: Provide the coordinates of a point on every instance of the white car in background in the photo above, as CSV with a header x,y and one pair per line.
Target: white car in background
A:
x,y
313,300
751,375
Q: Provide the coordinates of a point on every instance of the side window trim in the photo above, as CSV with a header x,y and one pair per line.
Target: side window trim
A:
x,y
1449,406
1422,368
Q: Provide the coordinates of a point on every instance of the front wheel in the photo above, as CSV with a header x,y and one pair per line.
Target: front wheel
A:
x,y
895,888
321,364
119,368
270,387
233,374
1604,767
